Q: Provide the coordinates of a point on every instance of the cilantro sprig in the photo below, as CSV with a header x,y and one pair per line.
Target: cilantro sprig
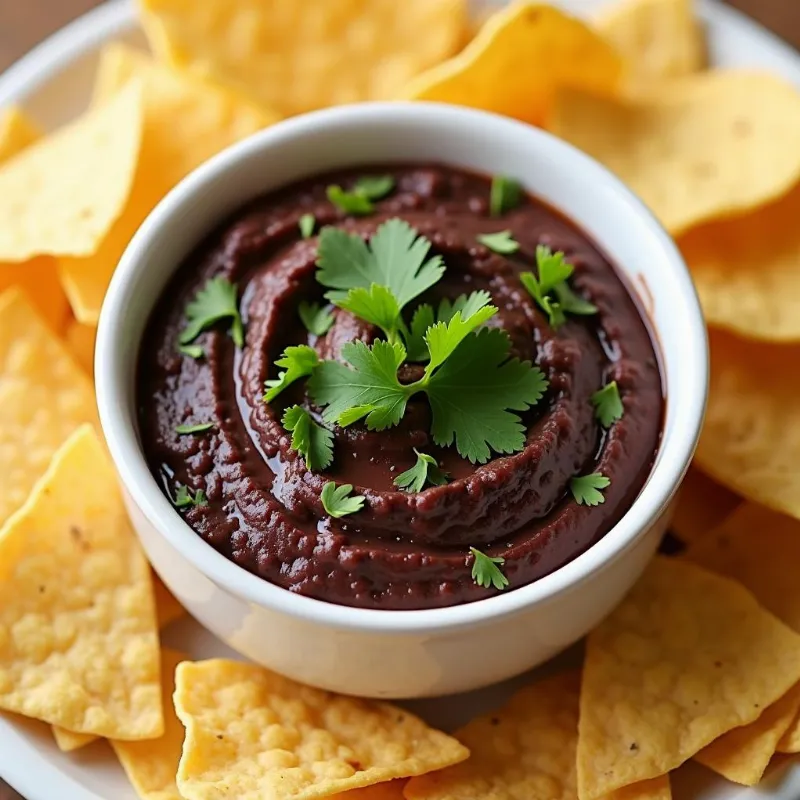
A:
x,y
310,439
486,570
425,470
184,498
298,361
607,404
587,489
215,302
501,242
339,501
504,194
316,318
200,427
365,190
307,223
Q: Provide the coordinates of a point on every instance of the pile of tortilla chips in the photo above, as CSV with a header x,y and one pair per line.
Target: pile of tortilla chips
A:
x,y
701,661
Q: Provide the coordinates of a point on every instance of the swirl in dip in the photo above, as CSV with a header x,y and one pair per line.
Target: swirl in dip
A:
x,y
402,550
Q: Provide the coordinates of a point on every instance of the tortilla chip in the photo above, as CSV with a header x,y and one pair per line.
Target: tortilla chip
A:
x,y
186,121
747,270
251,733
702,504
17,131
518,60
78,637
524,750
751,437
667,673
707,147
296,57
44,396
68,741
80,340
61,195
660,39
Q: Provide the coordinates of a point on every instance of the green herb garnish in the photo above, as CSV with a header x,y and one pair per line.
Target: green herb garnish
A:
x,y
306,223
504,195
184,498
486,570
607,404
310,439
215,302
374,186
586,489
297,361
200,427
426,470
191,350
338,502
501,242
350,202
316,318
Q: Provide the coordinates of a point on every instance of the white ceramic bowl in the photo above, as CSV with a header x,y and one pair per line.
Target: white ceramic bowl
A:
x,y
403,653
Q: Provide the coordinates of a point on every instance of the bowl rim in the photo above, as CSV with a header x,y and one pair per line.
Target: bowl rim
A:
x,y
142,488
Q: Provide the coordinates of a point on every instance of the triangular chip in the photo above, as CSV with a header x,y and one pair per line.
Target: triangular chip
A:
x,y
524,750
186,121
252,734
16,132
61,195
702,148
298,56
518,60
69,741
702,504
666,674
78,637
44,396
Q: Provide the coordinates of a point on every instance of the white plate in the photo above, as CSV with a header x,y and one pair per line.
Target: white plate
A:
x,y
53,82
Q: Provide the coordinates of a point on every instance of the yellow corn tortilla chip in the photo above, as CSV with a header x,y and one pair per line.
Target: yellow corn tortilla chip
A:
x,y
17,131
186,121
747,270
44,396
660,39
703,148
518,60
296,57
666,674
751,437
80,340
702,504
69,741
78,637
252,734
61,195
524,750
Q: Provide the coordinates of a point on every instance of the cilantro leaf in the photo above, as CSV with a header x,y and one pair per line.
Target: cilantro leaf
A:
x,y
306,223
184,498
501,242
486,570
299,361
426,470
191,350
338,502
607,404
376,305
200,427
317,319
215,302
505,194
372,382
444,337
350,202
473,394
374,187
571,302
311,440
423,318
586,489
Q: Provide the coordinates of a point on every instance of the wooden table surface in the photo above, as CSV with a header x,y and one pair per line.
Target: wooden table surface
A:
x,y
23,24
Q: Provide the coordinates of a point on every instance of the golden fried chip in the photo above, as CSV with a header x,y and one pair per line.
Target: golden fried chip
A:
x,y
660,39
702,504
747,270
44,396
78,637
518,60
707,147
296,57
61,195
186,121
251,733
69,741
667,673
524,750
80,340
16,132
751,437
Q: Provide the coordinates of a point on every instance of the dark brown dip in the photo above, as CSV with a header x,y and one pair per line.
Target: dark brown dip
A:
x,y
402,551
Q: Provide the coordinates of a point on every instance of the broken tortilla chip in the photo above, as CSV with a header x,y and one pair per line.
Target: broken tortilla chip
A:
x,y
61,195
666,674
296,57
701,505
251,733
186,121
17,131
519,59
78,638
710,146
